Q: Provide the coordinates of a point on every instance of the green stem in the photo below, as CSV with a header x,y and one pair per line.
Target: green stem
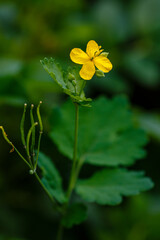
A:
x,y
72,178
48,194
60,232
78,168
14,148
22,157
73,172
22,126
39,180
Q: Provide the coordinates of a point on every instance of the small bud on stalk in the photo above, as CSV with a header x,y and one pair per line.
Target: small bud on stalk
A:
x,y
100,73
71,77
105,54
74,83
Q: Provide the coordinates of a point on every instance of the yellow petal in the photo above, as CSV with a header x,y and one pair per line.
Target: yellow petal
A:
x,y
103,63
92,48
87,71
78,56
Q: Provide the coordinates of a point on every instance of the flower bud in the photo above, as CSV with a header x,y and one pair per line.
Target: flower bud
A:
x,y
74,83
104,54
71,77
31,172
100,73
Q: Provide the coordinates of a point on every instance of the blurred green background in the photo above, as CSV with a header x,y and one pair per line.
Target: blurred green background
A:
x,y
33,29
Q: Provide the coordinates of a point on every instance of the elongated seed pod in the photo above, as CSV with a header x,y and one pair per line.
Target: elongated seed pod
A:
x,y
13,147
28,138
33,131
39,117
22,126
40,132
5,136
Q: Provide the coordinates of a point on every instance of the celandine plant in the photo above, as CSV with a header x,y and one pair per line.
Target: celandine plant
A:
x,y
102,135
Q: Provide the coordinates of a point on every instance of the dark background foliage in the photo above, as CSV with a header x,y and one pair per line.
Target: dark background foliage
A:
x,y
33,29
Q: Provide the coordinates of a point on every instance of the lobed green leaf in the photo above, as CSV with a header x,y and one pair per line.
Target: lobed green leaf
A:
x,y
54,70
106,135
109,185
61,78
51,178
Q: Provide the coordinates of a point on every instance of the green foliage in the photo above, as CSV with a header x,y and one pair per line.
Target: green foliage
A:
x,y
10,67
76,214
79,82
10,70
51,178
131,26
150,122
111,82
11,101
142,67
55,71
71,88
106,133
109,185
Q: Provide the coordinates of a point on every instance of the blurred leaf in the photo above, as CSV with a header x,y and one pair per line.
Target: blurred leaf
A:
x,y
77,213
35,72
40,89
10,67
8,14
144,70
12,101
51,178
112,82
150,123
106,133
37,81
109,185
111,17
77,30
145,15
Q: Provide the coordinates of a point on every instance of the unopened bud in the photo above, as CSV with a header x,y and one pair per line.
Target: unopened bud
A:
x,y
74,83
104,54
71,77
100,73
31,172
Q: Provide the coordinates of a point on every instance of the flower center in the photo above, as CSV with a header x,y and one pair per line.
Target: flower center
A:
x,y
95,55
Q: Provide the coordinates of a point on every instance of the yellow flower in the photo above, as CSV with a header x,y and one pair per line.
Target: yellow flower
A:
x,y
90,59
